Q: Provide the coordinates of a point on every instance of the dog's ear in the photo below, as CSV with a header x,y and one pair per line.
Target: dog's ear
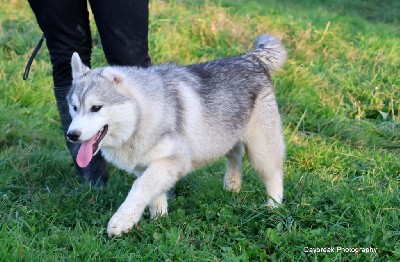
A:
x,y
113,75
78,68
118,79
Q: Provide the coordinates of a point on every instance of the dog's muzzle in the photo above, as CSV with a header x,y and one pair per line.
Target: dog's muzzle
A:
x,y
73,135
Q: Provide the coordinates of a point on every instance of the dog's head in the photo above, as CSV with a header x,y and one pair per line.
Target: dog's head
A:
x,y
103,112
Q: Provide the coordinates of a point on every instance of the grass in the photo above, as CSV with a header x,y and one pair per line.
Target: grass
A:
x,y
339,96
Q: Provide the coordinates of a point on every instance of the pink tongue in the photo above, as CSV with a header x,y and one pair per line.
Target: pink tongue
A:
x,y
85,152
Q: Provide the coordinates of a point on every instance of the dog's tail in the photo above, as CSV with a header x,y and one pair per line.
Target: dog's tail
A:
x,y
270,52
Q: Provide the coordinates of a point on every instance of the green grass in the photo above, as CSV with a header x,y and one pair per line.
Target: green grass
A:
x,y
339,96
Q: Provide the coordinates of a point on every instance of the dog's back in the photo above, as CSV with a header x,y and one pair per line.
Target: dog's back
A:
x,y
213,101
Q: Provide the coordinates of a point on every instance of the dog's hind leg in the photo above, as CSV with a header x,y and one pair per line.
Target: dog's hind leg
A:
x,y
233,175
265,146
159,206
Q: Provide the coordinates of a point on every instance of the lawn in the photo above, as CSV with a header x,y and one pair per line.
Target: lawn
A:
x,y
339,97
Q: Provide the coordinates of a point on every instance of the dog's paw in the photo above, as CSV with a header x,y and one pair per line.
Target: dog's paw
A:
x,y
271,203
118,225
158,211
159,207
233,185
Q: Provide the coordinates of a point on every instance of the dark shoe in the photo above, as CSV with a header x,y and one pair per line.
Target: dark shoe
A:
x,y
96,172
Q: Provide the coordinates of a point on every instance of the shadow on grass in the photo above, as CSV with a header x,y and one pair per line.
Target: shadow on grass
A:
x,y
374,11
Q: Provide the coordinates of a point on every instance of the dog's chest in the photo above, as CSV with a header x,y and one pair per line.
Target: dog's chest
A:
x,y
123,157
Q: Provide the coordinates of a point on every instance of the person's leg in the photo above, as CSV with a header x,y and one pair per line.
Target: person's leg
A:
x,y
65,24
123,28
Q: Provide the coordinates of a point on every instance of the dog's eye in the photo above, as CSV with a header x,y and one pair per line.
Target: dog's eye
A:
x,y
75,108
95,109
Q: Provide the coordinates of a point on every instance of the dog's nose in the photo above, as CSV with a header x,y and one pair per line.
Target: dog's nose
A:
x,y
73,135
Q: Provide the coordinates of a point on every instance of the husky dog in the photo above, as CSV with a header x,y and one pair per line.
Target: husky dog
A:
x,y
165,121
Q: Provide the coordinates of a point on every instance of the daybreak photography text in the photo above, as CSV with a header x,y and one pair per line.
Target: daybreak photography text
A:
x,y
355,250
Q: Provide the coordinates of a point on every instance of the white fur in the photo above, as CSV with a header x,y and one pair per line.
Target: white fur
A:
x,y
78,68
141,139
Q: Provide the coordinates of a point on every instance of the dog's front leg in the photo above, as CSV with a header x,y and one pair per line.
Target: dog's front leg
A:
x,y
158,178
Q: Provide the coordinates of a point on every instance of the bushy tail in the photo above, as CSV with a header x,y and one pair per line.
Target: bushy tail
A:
x,y
270,52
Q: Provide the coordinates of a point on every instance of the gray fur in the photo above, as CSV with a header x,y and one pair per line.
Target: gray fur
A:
x,y
174,119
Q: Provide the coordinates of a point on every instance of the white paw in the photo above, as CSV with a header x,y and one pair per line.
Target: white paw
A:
x,y
159,207
274,203
118,225
233,185
158,211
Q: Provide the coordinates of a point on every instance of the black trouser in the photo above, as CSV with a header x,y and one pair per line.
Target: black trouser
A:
x,y
122,24
123,28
